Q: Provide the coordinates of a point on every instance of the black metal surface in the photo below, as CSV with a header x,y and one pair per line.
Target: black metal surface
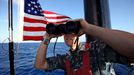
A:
x,y
11,58
97,13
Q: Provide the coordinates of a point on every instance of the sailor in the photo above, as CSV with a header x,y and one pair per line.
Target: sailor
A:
x,y
71,62
120,41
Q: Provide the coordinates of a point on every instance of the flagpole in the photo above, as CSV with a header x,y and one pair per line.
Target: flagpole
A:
x,y
10,28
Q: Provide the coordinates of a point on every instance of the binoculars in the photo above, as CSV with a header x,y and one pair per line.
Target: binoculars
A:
x,y
67,28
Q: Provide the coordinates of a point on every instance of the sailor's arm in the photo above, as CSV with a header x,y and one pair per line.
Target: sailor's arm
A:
x,y
121,41
40,61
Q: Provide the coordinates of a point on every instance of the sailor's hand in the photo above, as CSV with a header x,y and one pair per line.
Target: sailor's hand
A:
x,y
46,35
49,36
84,24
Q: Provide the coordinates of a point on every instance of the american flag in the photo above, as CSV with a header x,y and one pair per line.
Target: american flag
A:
x,y
35,20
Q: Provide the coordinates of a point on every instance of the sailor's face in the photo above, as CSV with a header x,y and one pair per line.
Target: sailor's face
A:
x,y
69,39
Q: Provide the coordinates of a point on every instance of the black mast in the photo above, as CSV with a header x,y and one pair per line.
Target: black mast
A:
x,y
97,13
10,28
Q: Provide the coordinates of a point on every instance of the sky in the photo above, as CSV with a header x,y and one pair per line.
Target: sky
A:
x,y
121,14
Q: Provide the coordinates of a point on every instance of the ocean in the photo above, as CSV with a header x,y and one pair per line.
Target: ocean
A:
x,y
24,54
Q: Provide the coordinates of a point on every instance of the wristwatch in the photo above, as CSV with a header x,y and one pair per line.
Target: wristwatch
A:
x,y
46,41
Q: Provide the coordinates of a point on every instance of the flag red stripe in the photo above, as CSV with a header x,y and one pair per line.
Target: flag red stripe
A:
x,y
36,38
48,12
34,28
57,17
34,20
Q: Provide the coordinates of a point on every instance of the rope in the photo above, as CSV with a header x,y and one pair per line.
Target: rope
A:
x,y
55,46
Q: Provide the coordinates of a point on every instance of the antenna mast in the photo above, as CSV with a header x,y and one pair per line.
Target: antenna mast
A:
x,y
10,29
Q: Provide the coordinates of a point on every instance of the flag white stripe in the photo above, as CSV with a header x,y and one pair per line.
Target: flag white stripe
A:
x,y
34,24
34,17
52,15
37,33
57,20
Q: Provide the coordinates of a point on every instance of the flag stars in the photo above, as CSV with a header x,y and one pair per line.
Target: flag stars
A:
x,y
35,12
32,2
32,8
29,4
36,6
29,11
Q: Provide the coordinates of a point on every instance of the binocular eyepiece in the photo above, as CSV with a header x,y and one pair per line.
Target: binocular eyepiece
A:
x,y
67,28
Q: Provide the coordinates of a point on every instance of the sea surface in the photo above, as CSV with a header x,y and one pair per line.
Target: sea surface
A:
x,y
24,54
